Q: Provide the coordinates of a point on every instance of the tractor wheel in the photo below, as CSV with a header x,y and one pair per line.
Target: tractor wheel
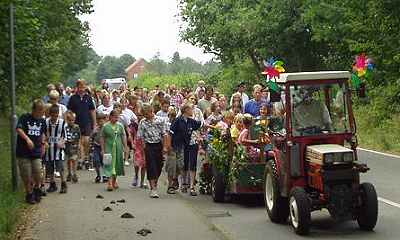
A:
x,y
300,211
218,186
368,212
277,206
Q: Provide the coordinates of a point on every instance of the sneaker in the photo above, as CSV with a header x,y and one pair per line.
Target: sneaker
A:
x,y
154,194
79,167
37,194
126,163
63,187
30,198
57,174
74,178
43,190
97,179
87,165
193,192
135,182
144,186
69,177
52,187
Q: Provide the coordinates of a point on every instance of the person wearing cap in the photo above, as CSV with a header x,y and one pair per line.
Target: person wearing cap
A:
x,y
50,87
241,89
253,106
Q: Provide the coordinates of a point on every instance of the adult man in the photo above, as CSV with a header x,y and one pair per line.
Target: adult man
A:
x,y
31,130
241,88
83,106
50,87
253,106
54,98
64,98
310,115
207,100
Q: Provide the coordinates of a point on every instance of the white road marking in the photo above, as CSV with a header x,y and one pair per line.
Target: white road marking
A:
x,y
389,202
381,153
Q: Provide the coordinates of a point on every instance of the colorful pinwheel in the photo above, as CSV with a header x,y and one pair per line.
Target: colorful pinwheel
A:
x,y
273,69
361,69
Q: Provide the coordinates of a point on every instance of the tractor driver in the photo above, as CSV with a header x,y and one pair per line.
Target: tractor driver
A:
x,y
310,115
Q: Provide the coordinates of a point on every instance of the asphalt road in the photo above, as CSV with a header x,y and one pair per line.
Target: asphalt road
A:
x,y
79,215
247,219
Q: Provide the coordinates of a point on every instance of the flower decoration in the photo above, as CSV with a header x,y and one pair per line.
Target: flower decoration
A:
x,y
362,69
273,69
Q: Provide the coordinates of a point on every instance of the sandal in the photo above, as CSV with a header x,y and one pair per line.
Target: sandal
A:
x,y
171,190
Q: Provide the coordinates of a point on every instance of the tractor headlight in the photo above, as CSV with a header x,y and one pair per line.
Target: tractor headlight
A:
x,y
348,157
328,159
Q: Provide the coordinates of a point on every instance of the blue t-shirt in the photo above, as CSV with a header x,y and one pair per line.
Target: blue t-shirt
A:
x,y
253,107
35,129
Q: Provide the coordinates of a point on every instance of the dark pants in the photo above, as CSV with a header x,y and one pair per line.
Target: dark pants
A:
x,y
190,157
154,160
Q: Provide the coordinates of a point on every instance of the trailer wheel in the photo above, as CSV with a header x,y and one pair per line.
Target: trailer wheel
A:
x,y
277,206
368,212
218,186
300,211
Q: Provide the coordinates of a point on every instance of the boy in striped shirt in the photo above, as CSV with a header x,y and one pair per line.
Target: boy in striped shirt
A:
x,y
55,151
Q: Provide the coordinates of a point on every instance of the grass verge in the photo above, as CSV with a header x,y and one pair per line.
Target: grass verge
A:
x,y
379,135
11,203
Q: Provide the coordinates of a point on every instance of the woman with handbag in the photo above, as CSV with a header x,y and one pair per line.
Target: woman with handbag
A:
x,y
114,146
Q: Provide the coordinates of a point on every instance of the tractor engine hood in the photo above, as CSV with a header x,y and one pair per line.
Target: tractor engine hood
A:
x,y
329,154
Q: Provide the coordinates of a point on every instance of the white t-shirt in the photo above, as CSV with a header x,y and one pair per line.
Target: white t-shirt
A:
x,y
105,110
127,117
63,109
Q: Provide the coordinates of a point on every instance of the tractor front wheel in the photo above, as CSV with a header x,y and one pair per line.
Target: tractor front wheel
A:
x,y
368,211
300,211
277,206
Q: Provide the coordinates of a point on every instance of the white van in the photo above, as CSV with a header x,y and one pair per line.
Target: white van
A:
x,y
115,83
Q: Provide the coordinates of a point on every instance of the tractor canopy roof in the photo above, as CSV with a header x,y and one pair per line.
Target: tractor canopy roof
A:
x,y
310,76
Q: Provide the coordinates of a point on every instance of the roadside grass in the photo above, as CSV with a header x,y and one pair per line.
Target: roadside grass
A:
x,y
378,135
11,203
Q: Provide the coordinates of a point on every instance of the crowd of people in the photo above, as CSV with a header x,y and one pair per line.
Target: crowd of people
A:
x,y
110,129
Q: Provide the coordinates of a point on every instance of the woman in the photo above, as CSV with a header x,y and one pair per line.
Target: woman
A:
x,y
223,102
107,106
237,103
113,142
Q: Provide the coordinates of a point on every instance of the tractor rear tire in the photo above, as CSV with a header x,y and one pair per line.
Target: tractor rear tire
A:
x,y
368,212
277,206
218,186
300,211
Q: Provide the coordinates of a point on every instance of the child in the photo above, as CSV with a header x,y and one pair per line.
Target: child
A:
x,y
73,135
163,113
237,127
101,118
182,130
55,151
215,115
138,144
226,122
153,131
174,164
245,139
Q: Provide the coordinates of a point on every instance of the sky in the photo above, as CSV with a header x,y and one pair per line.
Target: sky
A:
x,y
139,27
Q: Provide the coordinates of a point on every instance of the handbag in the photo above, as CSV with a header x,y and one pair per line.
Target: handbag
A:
x,y
107,159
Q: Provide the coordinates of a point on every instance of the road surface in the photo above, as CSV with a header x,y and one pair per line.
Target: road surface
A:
x,y
79,215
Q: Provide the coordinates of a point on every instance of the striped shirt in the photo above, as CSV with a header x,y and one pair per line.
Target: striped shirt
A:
x,y
56,136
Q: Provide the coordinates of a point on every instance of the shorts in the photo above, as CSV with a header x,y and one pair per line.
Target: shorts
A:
x,y
190,157
86,130
30,168
73,157
174,163
52,166
97,157
154,160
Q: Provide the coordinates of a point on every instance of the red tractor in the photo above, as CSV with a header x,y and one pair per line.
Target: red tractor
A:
x,y
315,159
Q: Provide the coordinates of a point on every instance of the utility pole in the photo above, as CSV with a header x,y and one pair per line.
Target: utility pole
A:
x,y
13,118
